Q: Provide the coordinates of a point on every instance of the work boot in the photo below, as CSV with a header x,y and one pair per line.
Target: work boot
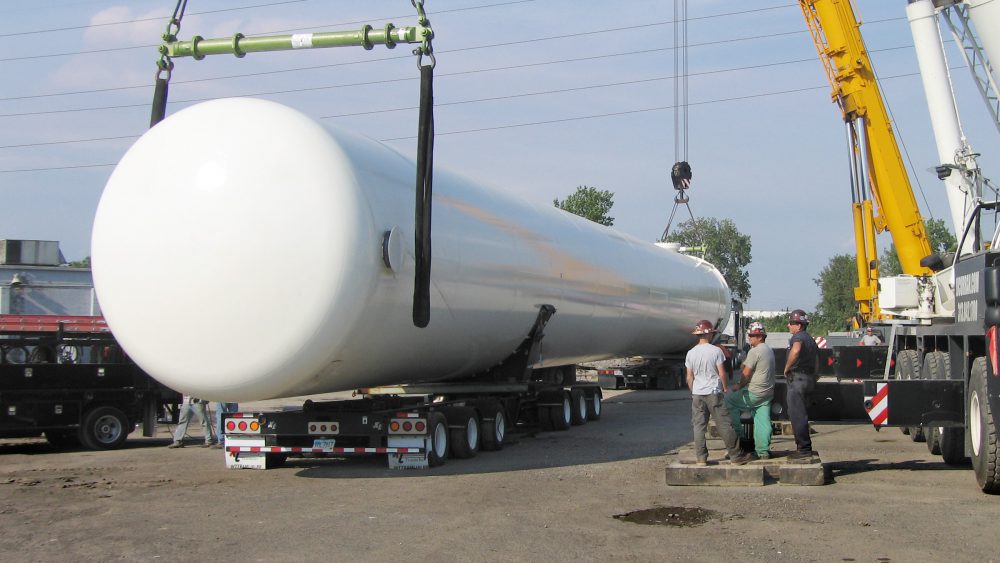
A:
x,y
742,459
208,444
176,445
763,455
801,456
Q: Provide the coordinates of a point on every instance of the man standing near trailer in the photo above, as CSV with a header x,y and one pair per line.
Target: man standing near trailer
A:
x,y
801,367
706,377
755,390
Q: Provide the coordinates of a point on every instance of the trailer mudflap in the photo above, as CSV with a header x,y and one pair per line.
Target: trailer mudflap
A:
x,y
915,402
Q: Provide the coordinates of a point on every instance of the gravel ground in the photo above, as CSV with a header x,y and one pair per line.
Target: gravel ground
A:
x,y
547,496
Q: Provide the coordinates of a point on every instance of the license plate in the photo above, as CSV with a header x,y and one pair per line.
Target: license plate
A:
x,y
324,443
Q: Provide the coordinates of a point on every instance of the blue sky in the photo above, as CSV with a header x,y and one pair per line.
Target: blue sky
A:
x,y
536,97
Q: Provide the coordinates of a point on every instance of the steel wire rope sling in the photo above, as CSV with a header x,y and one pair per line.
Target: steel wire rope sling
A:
x,y
680,172
367,37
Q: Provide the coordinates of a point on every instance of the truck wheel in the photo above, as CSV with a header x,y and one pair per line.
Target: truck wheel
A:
x,y
545,418
982,431
950,440
463,432
933,435
104,428
562,417
619,383
493,429
594,405
62,438
953,445
908,367
578,407
437,440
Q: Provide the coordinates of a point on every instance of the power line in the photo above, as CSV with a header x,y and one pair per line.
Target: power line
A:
x,y
134,47
395,80
460,102
139,20
537,123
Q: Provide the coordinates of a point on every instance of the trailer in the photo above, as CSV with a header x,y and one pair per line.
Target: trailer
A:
x,y
66,378
415,426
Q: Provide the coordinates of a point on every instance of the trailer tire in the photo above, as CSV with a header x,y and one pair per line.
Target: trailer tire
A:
x,y
594,405
982,431
578,404
545,418
437,449
908,367
493,430
62,439
104,428
463,432
561,417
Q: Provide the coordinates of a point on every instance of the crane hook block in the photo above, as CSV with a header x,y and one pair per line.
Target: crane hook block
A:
x,y
680,175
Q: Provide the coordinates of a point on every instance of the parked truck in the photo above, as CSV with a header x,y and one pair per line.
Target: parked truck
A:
x,y
62,374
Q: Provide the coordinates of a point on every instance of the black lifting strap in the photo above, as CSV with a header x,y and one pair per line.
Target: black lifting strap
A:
x,y
159,101
422,219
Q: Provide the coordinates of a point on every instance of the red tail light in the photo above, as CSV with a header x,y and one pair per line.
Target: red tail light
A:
x,y
991,345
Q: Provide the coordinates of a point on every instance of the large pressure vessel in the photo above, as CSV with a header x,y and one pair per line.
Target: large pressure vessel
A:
x,y
243,251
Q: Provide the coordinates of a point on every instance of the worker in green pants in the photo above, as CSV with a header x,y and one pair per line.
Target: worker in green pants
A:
x,y
755,390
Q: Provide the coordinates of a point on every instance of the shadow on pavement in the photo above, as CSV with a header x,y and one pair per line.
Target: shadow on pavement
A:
x,y
633,425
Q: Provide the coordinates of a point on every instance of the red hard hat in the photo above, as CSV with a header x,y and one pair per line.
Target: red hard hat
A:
x,y
704,327
798,316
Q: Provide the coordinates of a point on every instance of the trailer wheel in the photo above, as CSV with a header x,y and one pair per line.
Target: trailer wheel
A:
x,y
493,429
437,448
562,418
578,407
104,428
982,431
62,438
463,432
908,367
594,405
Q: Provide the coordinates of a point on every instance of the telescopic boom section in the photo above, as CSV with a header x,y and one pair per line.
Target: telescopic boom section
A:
x,y
874,152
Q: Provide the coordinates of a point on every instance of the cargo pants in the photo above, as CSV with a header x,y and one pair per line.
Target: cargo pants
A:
x,y
714,406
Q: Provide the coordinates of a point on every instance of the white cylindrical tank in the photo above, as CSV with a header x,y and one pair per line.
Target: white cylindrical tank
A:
x,y
238,254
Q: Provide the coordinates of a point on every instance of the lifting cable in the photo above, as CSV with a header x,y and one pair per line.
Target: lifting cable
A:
x,y
680,173
165,65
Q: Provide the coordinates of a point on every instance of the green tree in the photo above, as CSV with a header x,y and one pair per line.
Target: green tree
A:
x,y
941,238
85,263
589,203
725,247
837,306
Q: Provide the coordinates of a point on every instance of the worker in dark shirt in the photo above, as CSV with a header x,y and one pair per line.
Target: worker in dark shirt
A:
x,y
801,367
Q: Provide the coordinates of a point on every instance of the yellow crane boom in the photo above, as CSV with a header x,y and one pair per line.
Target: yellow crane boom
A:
x,y
875,154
